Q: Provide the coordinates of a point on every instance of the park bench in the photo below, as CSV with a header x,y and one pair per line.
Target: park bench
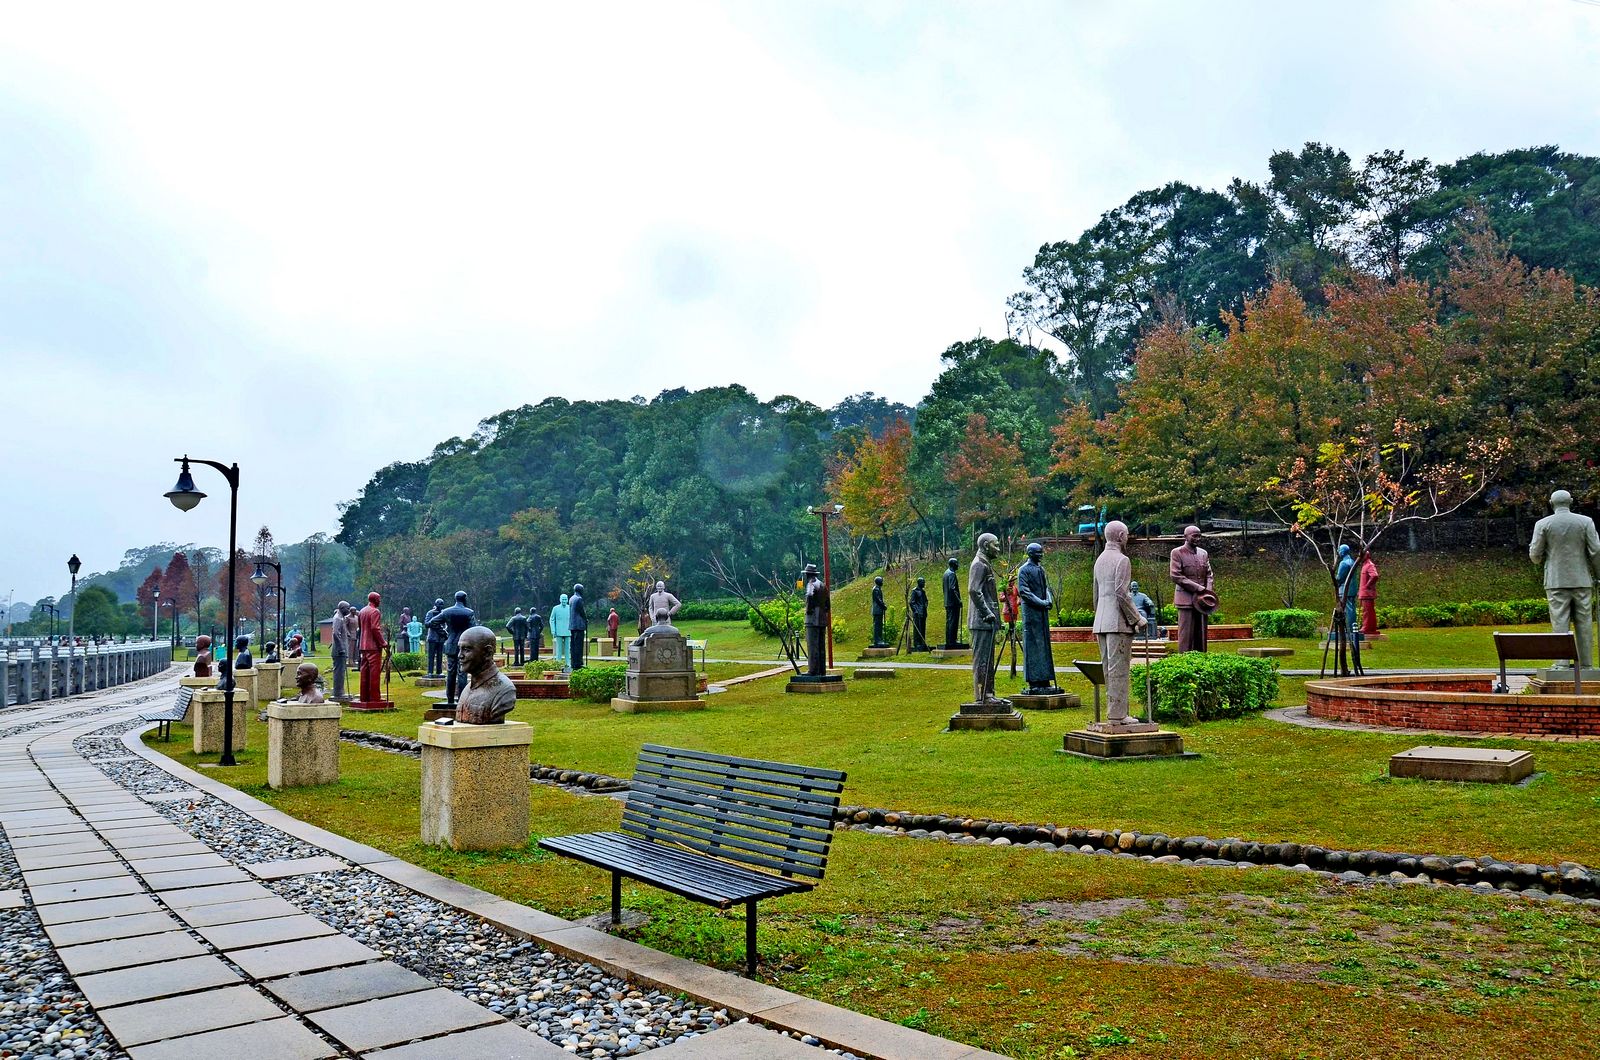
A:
x,y
1547,646
716,829
176,712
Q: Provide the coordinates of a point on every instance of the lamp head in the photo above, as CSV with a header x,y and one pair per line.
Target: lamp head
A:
x,y
259,576
184,496
73,564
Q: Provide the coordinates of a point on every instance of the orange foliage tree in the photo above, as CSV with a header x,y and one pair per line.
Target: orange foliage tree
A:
x,y
991,478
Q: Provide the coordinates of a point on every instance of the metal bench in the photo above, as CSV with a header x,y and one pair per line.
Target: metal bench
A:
x,y
716,829
1548,646
177,712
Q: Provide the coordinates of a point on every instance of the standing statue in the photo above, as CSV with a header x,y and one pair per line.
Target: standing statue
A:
x,y
305,679
578,623
202,656
456,620
661,598
414,633
373,643
406,643
879,610
1569,548
518,625
952,605
535,633
561,633
1344,576
1194,590
489,695
919,616
983,617
1367,596
436,637
819,615
1034,588
613,627
352,629
1147,610
342,648
1116,619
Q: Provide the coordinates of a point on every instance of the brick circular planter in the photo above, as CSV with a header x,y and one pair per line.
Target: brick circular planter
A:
x,y
1085,634
1461,702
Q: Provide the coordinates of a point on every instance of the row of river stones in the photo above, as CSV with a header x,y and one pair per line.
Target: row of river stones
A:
x,y
1568,878
599,783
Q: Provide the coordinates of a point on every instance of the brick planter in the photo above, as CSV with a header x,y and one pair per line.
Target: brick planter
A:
x,y
1085,634
1459,702
542,689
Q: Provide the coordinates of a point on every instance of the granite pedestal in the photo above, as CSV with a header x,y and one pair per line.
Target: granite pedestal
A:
x,y
1557,681
874,673
996,714
475,785
206,711
244,682
269,680
197,683
1131,739
961,652
1473,764
815,685
302,744
883,652
1046,701
660,675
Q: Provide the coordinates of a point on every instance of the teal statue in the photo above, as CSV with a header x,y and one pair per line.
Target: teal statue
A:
x,y
561,632
1342,576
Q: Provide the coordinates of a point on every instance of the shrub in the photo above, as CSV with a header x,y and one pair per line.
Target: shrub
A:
x,y
713,611
407,660
599,684
770,621
1074,616
1286,622
1201,686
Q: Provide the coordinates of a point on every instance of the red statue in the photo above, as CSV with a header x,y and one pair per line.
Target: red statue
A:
x,y
373,643
1367,594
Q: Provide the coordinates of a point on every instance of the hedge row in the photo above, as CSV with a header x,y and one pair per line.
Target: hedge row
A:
x,y
598,684
1201,686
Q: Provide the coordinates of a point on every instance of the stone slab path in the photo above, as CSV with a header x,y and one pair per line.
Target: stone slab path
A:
x,y
150,911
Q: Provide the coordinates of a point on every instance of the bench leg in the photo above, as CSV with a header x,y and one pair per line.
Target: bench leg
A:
x,y
616,898
750,939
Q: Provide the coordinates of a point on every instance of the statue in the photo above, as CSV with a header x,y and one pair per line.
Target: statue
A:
x,y
241,659
1116,619
578,624
241,651
662,623
352,625
436,638
306,676
517,624
1147,610
342,648
1194,590
879,610
1367,596
373,644
489,695
613,624
272,652
456,619
952,606
1343,575
296,647
1034,589
535,633
819,615
1569,548
661,598
919,616
983,617
406,643
561,633
202,656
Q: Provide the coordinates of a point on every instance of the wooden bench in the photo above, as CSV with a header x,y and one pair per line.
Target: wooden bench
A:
x,y
716,829
177,712
1548,646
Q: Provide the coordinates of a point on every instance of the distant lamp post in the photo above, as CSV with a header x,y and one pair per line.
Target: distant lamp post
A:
x,y
174,605
184,497
155,614
826,512
53,613
73,565
259,578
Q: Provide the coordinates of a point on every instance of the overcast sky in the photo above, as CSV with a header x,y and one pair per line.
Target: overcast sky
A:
x,y
320,238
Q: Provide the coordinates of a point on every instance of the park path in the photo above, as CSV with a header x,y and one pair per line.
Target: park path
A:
x,y
149,911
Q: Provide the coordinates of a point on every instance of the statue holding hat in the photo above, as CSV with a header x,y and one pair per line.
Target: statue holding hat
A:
x,y
1194,590
1566,544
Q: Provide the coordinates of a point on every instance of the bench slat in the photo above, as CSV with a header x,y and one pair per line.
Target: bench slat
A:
x,y
680,754
803,825
712,849
689,875
781,794
667,820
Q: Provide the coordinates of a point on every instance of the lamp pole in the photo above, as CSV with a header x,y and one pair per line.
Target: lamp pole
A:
x,y
155,614
72,616
184,497
825,512
258,578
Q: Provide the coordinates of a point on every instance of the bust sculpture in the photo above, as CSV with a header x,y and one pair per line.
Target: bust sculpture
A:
x,y
919,616
202,656
1115,620
489,695
241,653
1568,547
952,605
296,647
983,617
272,652
305,679
1033,588
879,610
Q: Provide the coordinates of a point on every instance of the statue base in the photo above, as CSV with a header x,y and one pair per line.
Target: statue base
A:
x,y
269,681
475,785
190,681
1265,652
1557,681
428,682
1056,700
815,684
624,705
873,673
206,712
1137,739
435,713
956,652
995,714
879,651
371,706
302,744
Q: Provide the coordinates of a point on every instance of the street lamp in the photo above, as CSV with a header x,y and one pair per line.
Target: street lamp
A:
x,y
72,616
826,512
174,605
53,613
258,579
184,497
155,614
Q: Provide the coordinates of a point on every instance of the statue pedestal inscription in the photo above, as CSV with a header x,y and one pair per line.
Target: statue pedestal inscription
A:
x,y
1130,739
206,710
302,744
1046,701
475,785
995,714
269,681
660,675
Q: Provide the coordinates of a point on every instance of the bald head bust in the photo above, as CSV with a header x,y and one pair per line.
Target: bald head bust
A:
x,y
489,695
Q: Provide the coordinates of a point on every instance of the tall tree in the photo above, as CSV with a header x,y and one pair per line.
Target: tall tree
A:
x,y
178,586
873,482
991,478
146,596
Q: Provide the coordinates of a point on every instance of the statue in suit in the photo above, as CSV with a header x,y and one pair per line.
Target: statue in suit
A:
x,y
1194,590
1569,548
1116,619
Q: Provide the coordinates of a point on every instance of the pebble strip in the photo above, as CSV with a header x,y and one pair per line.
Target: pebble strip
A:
x,y
598,783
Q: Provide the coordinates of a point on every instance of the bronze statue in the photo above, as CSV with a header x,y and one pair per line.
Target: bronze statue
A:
x,y
489,695
1116,619
202,656
296,647
1033,586
819,613
343,647
1569,548
919,616
306,676
879,610
952,605
1194,590
983,617
455,620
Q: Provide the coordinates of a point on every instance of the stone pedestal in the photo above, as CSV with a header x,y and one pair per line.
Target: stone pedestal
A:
x,y
475,785
1050,701
884,652
1474,764
286,678
244,684
428,682
542,688
302,744
269,680
810,685
873,673
1557,681
1131,739
997,714
660,675
197,683
962,652
205,712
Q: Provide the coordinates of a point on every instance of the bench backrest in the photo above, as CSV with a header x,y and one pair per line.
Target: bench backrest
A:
x,y
772,816
184,696
1536,645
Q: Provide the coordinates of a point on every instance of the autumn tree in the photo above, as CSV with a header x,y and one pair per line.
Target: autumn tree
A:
x,y
873,482
146,595
991,478
243,588
178,586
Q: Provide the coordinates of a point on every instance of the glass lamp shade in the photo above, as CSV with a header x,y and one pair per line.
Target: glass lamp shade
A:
x,y
184,496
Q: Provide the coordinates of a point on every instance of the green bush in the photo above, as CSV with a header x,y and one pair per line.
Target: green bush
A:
x,y
1475,613
1074,616
770,622
407,660
599,684
713,611
1201,686
1287,622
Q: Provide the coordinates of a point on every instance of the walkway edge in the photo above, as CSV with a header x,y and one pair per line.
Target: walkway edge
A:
x,y
837,1027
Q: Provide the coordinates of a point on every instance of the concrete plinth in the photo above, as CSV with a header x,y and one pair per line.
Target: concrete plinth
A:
x,y
805,684
244,683
963,652
428,682
269,680
1135,740
1054,701
884,652
370,706
873,673
475,785
197,683
1472,764
1558,682
996,715
435,713
206,711
302,744
624,705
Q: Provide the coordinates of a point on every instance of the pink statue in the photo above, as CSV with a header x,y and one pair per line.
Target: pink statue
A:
x,y
296,648
1194,590
1367,594
305,679
202,656
372,644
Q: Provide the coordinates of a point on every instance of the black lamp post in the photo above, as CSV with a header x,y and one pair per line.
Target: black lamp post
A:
x,y
184,497
53,612
72,616
155,613
259,578
174,605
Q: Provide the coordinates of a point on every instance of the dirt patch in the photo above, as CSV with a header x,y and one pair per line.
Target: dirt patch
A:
x,y
1036,913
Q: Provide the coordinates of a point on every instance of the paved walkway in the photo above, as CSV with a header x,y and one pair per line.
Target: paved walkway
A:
x,y
198,922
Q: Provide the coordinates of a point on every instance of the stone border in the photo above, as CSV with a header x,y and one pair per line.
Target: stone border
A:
x,y
1451,702
835,1027
1299,716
